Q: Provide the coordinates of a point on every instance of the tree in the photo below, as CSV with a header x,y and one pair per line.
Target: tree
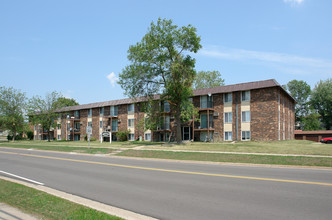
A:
x,y
43,110
161,63
12,110
300,91
64,102
311,122
208,79
321,100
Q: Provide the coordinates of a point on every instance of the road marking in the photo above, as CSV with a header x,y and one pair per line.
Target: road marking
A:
x,y
173,171
23,178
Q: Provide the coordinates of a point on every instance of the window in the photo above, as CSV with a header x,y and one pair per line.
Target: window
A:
x,y
68,125
204,121
228,136
228,117
39,138
147,137
245,96
77,114
35,127
131,123
35,137
114,110
228,98
59,126
114,125
90,112
101,111
59,137
90,124
206,101
167,121
100,124
245,135
131,109
166,107
131,137
246,116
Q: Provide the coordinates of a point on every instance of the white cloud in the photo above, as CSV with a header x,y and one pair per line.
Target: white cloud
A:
x,y
112,78
294,2
305,65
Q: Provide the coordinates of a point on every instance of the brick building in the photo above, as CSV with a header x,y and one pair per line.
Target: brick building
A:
x,y
260,110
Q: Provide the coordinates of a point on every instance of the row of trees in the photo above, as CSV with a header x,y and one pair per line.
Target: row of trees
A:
x,y
15,107
313,110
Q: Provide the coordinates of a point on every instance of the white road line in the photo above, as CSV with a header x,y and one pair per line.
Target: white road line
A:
x,y
20,177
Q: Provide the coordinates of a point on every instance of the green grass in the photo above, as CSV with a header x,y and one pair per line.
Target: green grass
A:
x,y
233,158
77,146
44,205
92,150
275,147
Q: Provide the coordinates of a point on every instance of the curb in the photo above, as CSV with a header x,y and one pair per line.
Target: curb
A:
x,y
111,210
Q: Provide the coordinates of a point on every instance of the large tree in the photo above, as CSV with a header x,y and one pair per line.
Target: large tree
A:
x,y
12,110
43,110
321,100
161,63
64,102
208,79
300,91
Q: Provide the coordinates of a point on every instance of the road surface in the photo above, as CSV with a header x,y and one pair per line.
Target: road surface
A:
x,y
178,190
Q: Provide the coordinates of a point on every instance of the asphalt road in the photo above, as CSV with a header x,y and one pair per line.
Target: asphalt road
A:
x,y
176,190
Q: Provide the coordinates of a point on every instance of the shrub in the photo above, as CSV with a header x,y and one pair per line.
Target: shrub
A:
x,y
122,135
30,135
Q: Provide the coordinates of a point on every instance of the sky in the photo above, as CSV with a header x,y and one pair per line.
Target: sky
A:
x,y
79,48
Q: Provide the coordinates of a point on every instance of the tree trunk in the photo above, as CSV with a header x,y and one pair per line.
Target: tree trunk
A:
x,y
178,125
14,135
49,135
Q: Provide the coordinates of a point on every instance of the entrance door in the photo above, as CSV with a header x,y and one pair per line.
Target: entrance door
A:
x,y
185,133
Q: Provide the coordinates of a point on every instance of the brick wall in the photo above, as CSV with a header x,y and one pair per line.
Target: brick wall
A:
x,y
264,114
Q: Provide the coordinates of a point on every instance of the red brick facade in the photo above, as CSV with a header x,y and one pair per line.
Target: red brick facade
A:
x,y
271,116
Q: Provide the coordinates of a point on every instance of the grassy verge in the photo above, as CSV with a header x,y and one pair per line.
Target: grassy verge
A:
x,y
92,150
275,147
114,144
45,205
233,158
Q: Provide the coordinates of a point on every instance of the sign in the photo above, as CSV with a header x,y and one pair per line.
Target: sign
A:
x,y
89,130
105,134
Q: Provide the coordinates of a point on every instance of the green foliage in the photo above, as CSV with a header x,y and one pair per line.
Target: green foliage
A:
x,y
311,122
12,110
208,79
122,135
321,101
65,102
160,63
300,91
30,135
43,110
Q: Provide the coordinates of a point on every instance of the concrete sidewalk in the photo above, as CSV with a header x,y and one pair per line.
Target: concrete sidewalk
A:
x,y
10,213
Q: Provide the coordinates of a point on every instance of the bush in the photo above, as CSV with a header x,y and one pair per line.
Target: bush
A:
x,y
30,135
122,135
91,138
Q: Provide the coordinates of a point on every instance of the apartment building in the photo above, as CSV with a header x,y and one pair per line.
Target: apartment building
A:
x,y
260,110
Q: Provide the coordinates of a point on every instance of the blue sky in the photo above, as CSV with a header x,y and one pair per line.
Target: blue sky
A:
x,y
79,48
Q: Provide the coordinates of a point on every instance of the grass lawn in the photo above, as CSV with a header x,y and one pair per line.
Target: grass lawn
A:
x,y
233,158
275,147
76,146
44,205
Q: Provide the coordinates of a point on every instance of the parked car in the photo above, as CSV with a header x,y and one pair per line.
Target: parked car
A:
x,y
327,140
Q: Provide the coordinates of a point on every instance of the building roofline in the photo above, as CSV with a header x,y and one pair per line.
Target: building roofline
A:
x,y
198,92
